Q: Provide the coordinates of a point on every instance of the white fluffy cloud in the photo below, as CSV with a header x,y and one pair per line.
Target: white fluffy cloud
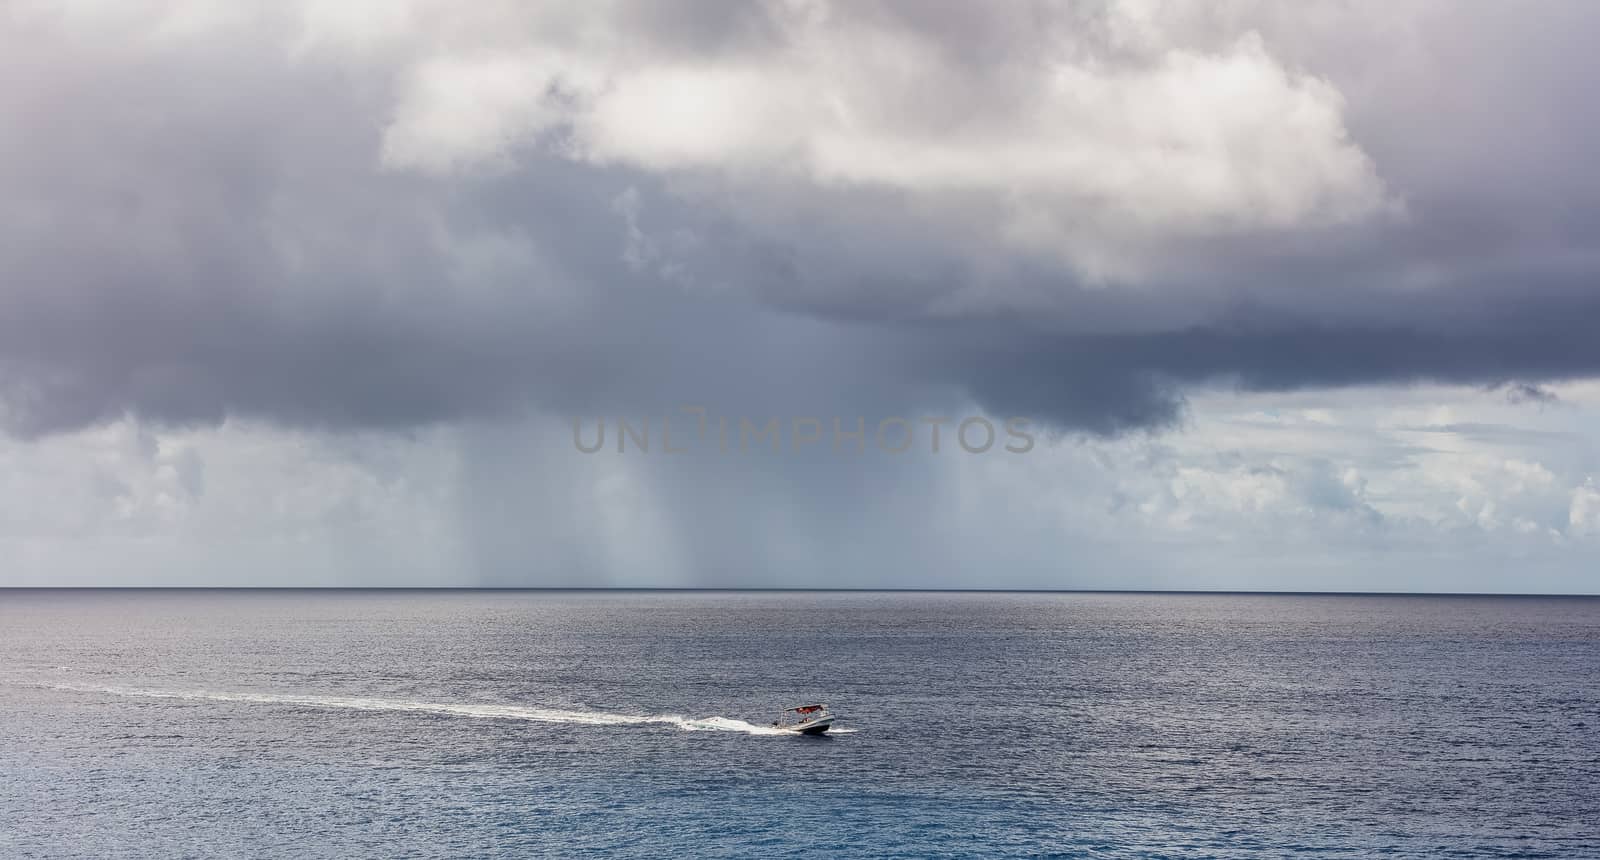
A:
x,y
1069,135
1583,515
123,504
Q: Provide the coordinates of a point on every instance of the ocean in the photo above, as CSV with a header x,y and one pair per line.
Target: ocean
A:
x,y
578,723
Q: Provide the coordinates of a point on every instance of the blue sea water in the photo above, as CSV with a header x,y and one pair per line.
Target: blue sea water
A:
x,y
466,724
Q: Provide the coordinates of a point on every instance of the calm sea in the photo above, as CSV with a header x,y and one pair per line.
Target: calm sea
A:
x,y
463,724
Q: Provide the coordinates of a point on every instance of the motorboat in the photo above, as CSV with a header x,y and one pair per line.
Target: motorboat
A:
x,y
805,719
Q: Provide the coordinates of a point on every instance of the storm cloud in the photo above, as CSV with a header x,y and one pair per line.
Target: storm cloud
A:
x,y
390,215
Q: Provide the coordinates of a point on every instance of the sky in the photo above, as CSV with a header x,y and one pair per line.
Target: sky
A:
x,y
1282,296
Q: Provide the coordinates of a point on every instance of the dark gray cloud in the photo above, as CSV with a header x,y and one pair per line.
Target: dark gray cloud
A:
x,y
195,226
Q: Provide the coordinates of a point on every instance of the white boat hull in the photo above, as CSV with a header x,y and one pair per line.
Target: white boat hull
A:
x,y
810,727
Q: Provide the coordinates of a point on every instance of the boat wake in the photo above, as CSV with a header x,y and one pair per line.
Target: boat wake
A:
x,y
481,711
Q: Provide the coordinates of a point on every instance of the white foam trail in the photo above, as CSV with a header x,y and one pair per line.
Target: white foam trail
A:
x,y
503,712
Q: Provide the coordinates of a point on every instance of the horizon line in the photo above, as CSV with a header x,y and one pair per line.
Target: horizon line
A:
x,y
776,590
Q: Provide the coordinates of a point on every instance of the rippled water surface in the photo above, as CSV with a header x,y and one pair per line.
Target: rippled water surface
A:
x,y
452,724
